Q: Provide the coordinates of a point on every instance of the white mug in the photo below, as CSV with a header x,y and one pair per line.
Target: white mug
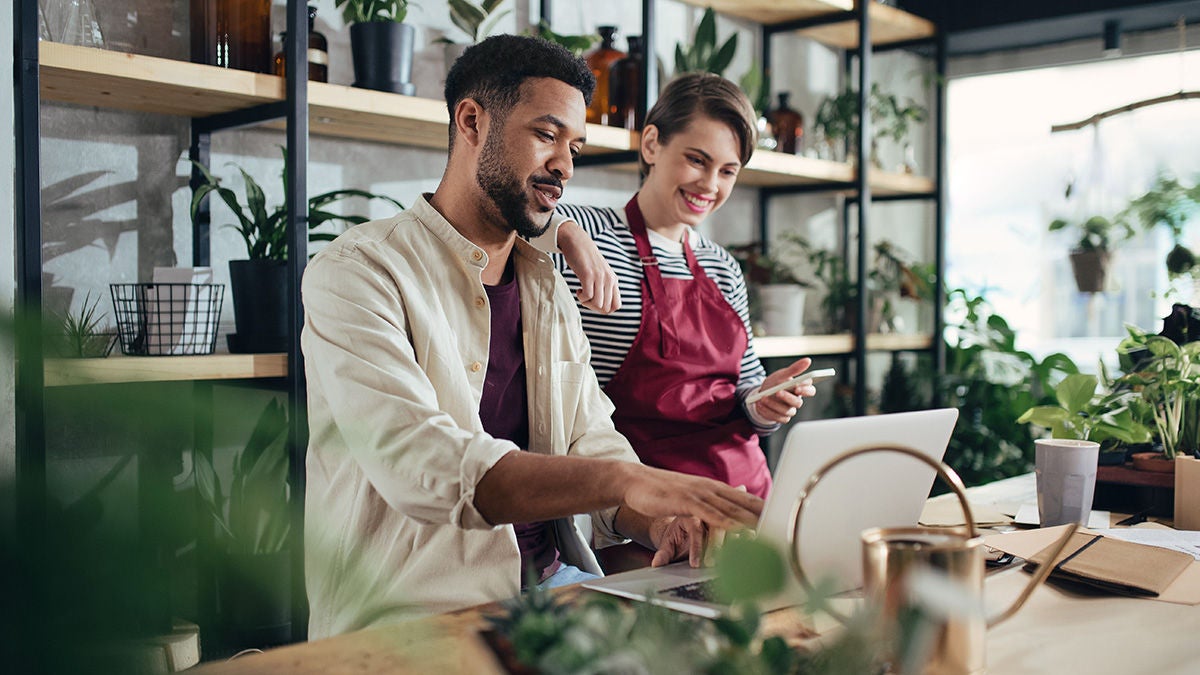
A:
x,y
1066,479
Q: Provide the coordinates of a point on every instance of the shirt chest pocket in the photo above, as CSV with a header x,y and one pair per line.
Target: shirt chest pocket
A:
x,y
568,380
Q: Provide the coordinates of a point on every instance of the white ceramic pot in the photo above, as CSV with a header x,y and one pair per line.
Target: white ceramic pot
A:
x,y
782,308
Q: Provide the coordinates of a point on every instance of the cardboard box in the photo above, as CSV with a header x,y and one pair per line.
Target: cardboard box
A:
x,y
1187,493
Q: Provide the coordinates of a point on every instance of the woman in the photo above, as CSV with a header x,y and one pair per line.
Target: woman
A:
x,y
676,356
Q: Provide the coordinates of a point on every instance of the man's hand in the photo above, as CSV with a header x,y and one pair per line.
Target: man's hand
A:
x,y
597,281
673,512
781,406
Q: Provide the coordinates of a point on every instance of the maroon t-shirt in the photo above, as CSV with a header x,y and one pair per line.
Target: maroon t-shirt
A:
x,y
504,411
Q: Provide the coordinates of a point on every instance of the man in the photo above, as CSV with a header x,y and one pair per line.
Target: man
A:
x,y
456,425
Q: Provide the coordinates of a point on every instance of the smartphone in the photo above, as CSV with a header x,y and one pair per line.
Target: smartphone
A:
x,y
810,376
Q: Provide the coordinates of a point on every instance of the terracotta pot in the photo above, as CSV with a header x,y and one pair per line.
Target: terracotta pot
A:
x,y
1153,461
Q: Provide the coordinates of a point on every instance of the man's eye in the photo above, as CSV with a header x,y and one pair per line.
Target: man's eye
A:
x,y
545,135
575,150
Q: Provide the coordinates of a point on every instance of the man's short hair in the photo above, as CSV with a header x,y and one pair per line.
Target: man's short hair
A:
x,y
493,71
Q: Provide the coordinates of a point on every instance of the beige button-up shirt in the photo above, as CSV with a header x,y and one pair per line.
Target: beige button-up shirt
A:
x,y
395,345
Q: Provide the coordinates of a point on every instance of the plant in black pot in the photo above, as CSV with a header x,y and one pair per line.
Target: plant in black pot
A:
x,y
259,284
253,524
1092,252
381,44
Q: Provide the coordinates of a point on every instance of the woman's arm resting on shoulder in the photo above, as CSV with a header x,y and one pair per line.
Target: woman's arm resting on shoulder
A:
x,y
597,281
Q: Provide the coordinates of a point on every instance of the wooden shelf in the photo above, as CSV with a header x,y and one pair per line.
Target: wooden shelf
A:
x,y
832,345
133,82
888,24
117,369
95,77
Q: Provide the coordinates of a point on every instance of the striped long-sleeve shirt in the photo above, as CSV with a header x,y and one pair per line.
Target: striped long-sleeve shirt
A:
x,y
612,335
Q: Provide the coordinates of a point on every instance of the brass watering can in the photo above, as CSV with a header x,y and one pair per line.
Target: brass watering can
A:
x,y
890,554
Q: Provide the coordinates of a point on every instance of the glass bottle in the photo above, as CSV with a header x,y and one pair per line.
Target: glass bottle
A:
x,y
76,24
626,98
318,52
788,125
232,34
600,62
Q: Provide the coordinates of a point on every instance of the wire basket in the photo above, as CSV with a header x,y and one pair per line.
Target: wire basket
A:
x,y
167,319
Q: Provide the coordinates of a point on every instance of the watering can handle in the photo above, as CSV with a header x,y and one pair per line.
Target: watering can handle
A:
x,y
947,475
1038,577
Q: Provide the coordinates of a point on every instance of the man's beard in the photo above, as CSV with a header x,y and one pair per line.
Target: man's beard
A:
x,y
507,191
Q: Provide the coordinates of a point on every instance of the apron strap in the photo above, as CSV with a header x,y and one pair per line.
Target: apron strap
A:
x,y
654,281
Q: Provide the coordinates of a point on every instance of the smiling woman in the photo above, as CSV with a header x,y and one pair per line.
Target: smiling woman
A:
x,y
668,327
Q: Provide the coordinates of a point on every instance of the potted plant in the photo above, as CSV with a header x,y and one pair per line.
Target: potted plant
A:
x,y
1167,377
477,21
1169,203
381,44
1092,253
837,120
1083,413
777,289
259,283
252,524
81,334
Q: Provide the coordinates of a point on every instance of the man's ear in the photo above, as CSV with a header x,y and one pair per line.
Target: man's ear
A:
x,y
650,144
470,122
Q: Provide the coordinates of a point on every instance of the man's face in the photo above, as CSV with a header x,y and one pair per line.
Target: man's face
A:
x,y
528,155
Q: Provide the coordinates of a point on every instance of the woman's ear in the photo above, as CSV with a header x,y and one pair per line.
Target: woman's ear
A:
x,y
651,147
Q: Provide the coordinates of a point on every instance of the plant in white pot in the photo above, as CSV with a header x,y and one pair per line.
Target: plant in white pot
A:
x,y
777,291
259,283
477,21
381,44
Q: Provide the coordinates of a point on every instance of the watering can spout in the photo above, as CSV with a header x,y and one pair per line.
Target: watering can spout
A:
x,y
1043,571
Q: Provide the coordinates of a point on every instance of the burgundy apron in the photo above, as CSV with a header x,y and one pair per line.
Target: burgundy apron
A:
x,y
675,392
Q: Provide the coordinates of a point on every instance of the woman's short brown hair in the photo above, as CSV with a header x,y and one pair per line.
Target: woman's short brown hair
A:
x,y
693,94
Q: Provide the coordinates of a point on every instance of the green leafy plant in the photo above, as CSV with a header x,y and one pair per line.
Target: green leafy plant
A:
x,y
366,11
757,85
1171,204
837,116
781,266
82,334
1167,376
257,520
1084,413
265,232
1096,233
576,44
703,55
476,20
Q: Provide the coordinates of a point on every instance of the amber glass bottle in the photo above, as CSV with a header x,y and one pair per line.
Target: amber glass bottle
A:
x,y
232,33
600,61
788,125
626,100
318,52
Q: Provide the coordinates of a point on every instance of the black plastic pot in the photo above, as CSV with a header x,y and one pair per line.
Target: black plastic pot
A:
x,y
1090,269
256,600
383,56
260,306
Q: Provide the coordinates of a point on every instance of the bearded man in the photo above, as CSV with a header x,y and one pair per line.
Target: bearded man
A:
x,y
456,427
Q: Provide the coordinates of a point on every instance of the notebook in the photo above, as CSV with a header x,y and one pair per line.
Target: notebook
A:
x,y
883,489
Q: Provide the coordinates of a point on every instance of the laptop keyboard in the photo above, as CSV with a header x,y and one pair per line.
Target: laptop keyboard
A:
x,y
700,591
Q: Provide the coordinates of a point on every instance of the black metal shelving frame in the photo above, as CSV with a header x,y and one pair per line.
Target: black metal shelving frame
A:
x,y
30,407
861,187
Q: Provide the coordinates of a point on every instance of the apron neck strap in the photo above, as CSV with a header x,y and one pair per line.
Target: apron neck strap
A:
x,y
654,280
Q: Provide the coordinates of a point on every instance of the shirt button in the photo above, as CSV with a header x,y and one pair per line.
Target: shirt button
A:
x,y
479,302
541,370
541,428
476,367
477,256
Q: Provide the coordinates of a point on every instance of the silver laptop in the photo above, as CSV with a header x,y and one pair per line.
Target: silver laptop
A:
x,y
875,490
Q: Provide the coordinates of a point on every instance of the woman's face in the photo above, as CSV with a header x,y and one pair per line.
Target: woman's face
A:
x,y
692,173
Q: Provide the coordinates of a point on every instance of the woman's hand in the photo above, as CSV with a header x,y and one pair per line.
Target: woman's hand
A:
x,y
597,281
781,406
